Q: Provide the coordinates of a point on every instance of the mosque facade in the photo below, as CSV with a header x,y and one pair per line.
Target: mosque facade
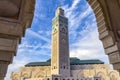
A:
x,y
61,66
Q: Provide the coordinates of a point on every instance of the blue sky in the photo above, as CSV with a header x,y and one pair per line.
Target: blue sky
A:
x,y
83,33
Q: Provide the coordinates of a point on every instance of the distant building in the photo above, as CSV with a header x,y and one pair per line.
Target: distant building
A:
x,y
60,66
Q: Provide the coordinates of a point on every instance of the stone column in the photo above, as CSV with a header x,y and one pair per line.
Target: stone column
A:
x,y
3,69
14,19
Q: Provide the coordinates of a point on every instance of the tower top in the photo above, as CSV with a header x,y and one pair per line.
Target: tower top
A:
x,y
59,11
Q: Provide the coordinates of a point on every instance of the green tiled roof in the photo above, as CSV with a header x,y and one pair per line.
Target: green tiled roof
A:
x,y
38,64
73,61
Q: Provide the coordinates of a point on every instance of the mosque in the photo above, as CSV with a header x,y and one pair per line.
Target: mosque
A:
x,y
61,66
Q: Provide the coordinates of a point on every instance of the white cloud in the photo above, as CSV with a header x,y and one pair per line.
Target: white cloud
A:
x,y
32,33
88,46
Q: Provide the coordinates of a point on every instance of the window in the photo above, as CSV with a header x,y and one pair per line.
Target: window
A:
x,y
48,79
56,78
64,67
61,25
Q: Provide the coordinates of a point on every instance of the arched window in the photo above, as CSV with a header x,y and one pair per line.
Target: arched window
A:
x,y
64,67
112,77
56,78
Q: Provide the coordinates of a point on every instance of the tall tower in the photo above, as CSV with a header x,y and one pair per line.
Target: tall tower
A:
x,y
60,63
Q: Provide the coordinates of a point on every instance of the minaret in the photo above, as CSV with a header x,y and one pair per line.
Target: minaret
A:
x,y
60,63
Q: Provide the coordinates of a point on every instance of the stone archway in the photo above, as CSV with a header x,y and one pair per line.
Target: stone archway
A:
x,y
14,19
108,22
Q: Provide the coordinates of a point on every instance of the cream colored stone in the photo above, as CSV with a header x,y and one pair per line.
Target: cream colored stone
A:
x,y
89,72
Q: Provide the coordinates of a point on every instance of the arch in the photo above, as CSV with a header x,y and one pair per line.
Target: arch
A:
x,y
107,28
103,22
48,79
56,78
25,75
15,77
101,14
80,74
39,74
113,75
101,75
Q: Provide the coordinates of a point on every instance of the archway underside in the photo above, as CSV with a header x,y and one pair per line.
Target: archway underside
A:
x,y
108,33
14,19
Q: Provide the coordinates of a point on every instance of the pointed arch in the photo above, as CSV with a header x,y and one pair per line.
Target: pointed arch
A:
x,y
113,75
39,74
101,75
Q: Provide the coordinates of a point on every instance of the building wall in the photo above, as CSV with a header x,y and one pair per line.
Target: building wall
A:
x,y
32,72
95,66
78,72
89,72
